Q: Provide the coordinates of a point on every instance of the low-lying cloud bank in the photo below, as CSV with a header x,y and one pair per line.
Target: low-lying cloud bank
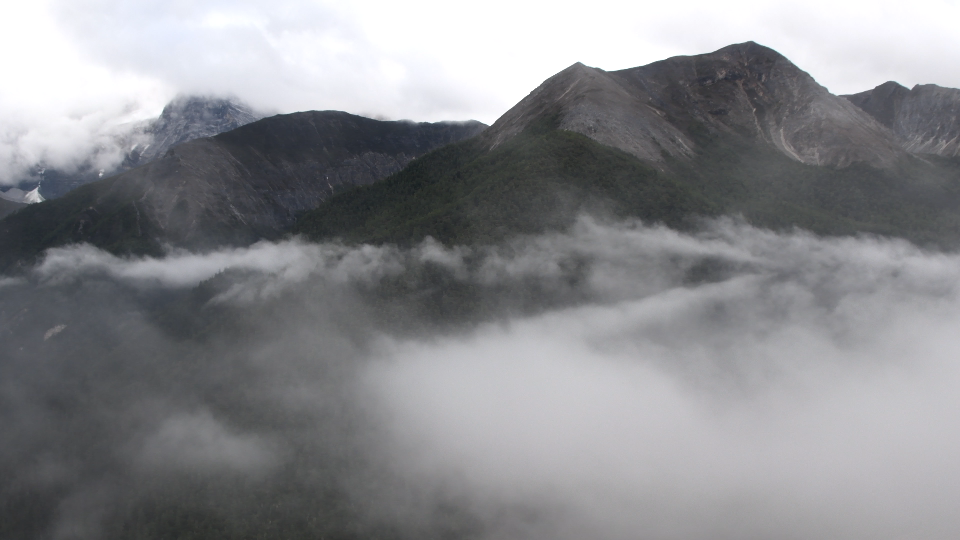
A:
x,y
735,383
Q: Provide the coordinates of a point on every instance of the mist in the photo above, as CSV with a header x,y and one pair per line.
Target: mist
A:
x,y
616,380
89,138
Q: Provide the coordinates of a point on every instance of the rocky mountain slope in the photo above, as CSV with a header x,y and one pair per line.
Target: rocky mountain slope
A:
x,y
237,187
745,90
740,131
925,119
187,118
184,119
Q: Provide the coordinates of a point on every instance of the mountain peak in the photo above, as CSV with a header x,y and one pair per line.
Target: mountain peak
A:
x,y
593,102
750,49
191,105
745,89
925,119
882,103
928,120
188,117
580,67
18,195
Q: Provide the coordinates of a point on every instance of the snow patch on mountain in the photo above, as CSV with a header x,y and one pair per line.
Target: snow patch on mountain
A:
x,y
18,195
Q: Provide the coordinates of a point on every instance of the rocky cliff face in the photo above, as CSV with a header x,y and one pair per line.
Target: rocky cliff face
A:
x,y
743,90
925,119
259,177
929,120
883,102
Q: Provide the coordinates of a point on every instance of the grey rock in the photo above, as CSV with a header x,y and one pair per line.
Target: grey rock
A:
x,y
929,120
184,119
925,119
187,118
882,103
744,90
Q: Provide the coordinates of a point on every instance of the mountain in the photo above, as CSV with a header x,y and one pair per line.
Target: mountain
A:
x,y
235,188
746,90
187,118
468,193
738,131
925,119
183,119
24,197
8,207
14,199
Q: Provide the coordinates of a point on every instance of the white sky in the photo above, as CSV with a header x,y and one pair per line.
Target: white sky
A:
x,y
70,67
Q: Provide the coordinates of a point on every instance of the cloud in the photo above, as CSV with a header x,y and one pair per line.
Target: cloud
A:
x,y
430,61
9,281
730,383
284,263
305,55
846,47
60,107
88,139
198,443
811,395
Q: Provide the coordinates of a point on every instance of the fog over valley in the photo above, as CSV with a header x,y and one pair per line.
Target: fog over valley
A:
x,y
614,380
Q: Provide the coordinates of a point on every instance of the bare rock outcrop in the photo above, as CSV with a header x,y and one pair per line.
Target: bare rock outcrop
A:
x,y
744,90
925,119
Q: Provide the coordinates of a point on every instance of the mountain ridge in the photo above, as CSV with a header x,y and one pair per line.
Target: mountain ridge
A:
x,y
744,89
925,118
741,130
234,188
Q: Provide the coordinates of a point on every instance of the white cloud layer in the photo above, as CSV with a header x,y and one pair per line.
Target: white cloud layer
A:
x,y
811,394
734,383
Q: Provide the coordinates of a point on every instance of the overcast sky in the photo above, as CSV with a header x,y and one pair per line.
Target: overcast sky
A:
x,y
69,67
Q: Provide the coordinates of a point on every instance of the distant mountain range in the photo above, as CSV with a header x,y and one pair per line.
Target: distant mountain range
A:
x,y
738,131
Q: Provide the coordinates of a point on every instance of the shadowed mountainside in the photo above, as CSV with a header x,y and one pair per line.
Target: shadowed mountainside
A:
x,y
9,207
235,188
